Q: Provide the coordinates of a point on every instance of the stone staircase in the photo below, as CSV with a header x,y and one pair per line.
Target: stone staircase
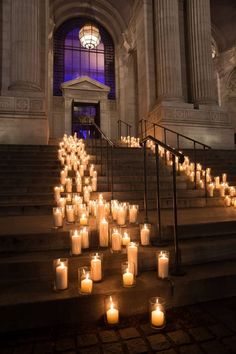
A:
x,y
28,244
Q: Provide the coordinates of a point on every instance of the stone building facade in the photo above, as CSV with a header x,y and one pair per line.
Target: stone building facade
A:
x,y
164,68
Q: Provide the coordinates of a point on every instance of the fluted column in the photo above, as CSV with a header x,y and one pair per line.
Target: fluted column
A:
x,y
25,45
200,59
169,80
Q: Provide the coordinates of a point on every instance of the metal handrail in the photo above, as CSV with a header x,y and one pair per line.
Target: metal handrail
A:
x,y
119,130
108,159
175,154
178,135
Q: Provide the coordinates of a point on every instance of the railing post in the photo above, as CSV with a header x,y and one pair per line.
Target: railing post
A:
x,y
177,260
158,194
145,182
195,165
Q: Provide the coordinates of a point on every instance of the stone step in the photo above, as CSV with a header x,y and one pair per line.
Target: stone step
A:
x,y
33,304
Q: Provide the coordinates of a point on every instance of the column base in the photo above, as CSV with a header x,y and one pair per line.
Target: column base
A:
x,y
208,124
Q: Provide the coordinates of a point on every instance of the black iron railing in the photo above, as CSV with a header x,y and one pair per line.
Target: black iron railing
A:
x,y
176,157
123,129
102,147
166,135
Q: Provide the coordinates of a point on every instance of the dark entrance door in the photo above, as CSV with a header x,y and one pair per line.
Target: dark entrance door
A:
x,y
83,114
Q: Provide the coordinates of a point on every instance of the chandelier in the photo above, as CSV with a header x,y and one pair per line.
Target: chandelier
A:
x,y
89,36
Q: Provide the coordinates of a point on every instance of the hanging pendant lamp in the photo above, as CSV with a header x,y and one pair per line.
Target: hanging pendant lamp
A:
x,y
89,36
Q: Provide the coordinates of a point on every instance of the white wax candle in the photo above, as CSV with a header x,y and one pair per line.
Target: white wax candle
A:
x,y
121,213
57,193
81,170
94,184
232,191
133,214
222,190
145,235
85,238
91,170
112,315
58,218
211,189
86,195
198,176
76,243
86,285
125,239
157,317
192,174
96,268
163,266
78,186
228,201
132,253
63,177
103,233
224,177
217,182
83,220
128,278
70,213
69,185
116,241
61,277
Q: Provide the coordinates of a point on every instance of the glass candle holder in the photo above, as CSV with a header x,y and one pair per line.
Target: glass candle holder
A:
x,y
94,184
96,260
70,213
157,312
69,185
132,254
125,238
145,231
57,217
84,232
100,210
115,240
76,242
163,264
128,274
86,181
103,233
133,213
84,280
84,219
121,215
60,270
111,310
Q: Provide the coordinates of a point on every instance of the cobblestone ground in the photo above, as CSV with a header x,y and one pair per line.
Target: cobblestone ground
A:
x,y
203,328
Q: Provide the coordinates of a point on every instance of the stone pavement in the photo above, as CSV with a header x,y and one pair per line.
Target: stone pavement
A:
x,y
208,328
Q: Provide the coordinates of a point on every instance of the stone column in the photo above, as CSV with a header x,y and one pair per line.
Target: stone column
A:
x,y
169,80
25,46
200,58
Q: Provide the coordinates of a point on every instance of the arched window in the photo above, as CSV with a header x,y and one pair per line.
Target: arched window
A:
x,y
71,60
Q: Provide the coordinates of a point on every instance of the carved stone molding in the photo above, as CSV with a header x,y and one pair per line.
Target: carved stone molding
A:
x,y
21,105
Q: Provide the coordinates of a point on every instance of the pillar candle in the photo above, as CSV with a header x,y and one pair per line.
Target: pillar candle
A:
x,y
83,220
232,191
91,170
198,176
112,314
57,193
128,278
76,243
94,184
58,217
61,277
70,213
86,285
85,237
96,268
222,189
63,177
145,235
224,177
125,239
103,233
228,201
133,214
68,185
158,317
163,265
121,215
217,182
116,241
132,253
211,189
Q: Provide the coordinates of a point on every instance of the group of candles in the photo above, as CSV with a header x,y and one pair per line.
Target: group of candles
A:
x,y
131,141
87,275
213,183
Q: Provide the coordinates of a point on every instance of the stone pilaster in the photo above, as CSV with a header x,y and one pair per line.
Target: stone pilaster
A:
x,y
169,80
25,46
200,59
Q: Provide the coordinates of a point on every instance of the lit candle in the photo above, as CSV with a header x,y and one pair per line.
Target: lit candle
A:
x,y
125,239
133,214
86,194
75,242
63,177
145,235
132,253
232,191
100,212
121,213
211,188
58,217
157,317
103,233
85,237
70,213
112,313
222,189
86,285
94,184
217,182
192,174
78,185
163,265
68,185
224,177
128,278
57,192
81,170
96,268
91,170
198,176
83,219
61,277
227,201
116,241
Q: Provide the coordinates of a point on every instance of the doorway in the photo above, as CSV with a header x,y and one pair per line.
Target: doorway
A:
x,y
83,115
